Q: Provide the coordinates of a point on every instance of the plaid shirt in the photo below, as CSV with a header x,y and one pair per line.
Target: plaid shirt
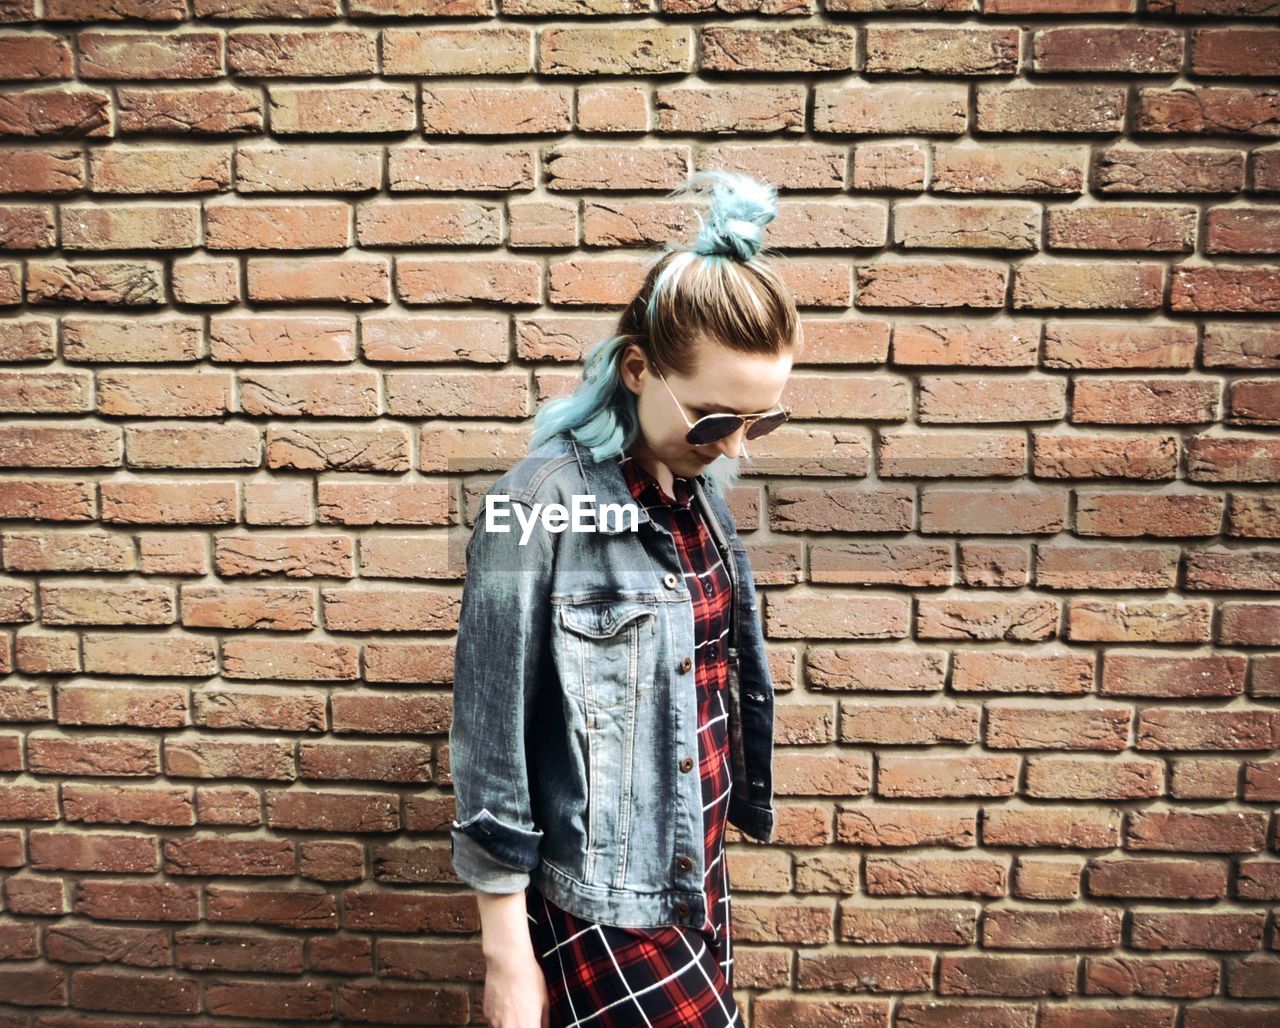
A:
x,y
673,975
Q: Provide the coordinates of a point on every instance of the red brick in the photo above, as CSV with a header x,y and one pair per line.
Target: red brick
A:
x,y
25,228
35,112
964,398
1160,675
1196,929
136,901
399,1004
944,51
614,51
281,908
33,988
341,108
228,855
1138,621
1120,227
49,445
118,852
99,944
352,280
140,706
1120,50
1123,169
1050,108
1249,624
82,755
1071,344
135,993
967,225
931,284
292,1001
1235,51
196,110
1235,290
126,55
1148,401
889,109
278,53
27,339
467,51
31,56
277,225
118,804
888,166
170,169
170,656
1247,230
276,953
1059,7
496,111
52,169
1264,169
1037,928
1090,778
1201,109
1087,285
1252,402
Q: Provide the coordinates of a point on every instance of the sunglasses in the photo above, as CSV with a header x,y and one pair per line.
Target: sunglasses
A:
x,y
712,427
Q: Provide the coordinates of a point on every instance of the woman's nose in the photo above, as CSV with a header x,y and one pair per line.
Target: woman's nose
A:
x,y
731,444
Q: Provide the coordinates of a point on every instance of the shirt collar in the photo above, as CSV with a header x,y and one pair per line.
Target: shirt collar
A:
x,y
646,489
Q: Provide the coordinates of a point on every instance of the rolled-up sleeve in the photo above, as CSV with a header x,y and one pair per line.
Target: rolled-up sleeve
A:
x,y
498,667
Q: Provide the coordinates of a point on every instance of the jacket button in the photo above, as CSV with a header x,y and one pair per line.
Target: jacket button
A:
x,y
682,910
686,763
686,664
684,863
670,580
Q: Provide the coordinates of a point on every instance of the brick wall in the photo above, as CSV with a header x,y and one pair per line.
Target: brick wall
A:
x,y
273,270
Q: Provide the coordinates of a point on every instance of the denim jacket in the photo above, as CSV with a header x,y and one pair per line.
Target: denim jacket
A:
x,y
573,745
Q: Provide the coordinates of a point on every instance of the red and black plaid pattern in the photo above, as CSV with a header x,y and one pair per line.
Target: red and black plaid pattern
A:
x,y
673,976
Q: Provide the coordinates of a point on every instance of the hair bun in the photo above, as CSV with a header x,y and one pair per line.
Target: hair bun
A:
x,y
740,208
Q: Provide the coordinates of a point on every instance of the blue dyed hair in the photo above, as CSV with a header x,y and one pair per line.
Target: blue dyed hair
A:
x,y
720,289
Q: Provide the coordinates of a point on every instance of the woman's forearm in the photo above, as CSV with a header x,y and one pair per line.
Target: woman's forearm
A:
x,y
504,925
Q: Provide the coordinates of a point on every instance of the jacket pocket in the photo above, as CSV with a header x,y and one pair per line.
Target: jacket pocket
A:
x,y
606,654
605,649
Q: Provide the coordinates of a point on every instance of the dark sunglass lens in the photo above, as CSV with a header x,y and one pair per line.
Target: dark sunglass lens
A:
x,y
712,428
766,425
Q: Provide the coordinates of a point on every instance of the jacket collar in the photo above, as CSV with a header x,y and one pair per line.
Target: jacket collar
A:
x,y
606,482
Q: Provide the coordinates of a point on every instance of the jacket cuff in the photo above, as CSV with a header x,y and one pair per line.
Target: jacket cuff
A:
x,y
492,856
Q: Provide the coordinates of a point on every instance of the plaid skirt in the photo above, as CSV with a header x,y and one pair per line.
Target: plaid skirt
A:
x,y
674,976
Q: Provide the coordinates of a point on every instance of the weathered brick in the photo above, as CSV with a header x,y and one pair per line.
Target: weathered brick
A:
x,y
942,51
1117,50
889,109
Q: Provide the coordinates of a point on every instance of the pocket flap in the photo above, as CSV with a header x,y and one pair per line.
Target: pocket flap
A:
x,y
602,620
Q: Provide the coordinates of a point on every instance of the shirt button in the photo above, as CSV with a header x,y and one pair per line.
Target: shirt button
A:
x,y
686,664
684,863
711,649
682,910
706,588
686,763
670,580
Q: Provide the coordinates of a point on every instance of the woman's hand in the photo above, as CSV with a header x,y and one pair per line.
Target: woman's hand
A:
x,y
515,991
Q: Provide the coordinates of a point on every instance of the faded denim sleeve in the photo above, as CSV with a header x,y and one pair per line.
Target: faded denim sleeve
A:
x,y
498,664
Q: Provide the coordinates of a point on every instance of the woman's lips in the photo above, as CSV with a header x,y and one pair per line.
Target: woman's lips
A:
x,y
704,460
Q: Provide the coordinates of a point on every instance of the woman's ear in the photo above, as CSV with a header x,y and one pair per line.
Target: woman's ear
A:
x,y
630,365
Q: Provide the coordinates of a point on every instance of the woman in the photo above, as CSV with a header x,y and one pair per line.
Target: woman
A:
x,y
597,668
